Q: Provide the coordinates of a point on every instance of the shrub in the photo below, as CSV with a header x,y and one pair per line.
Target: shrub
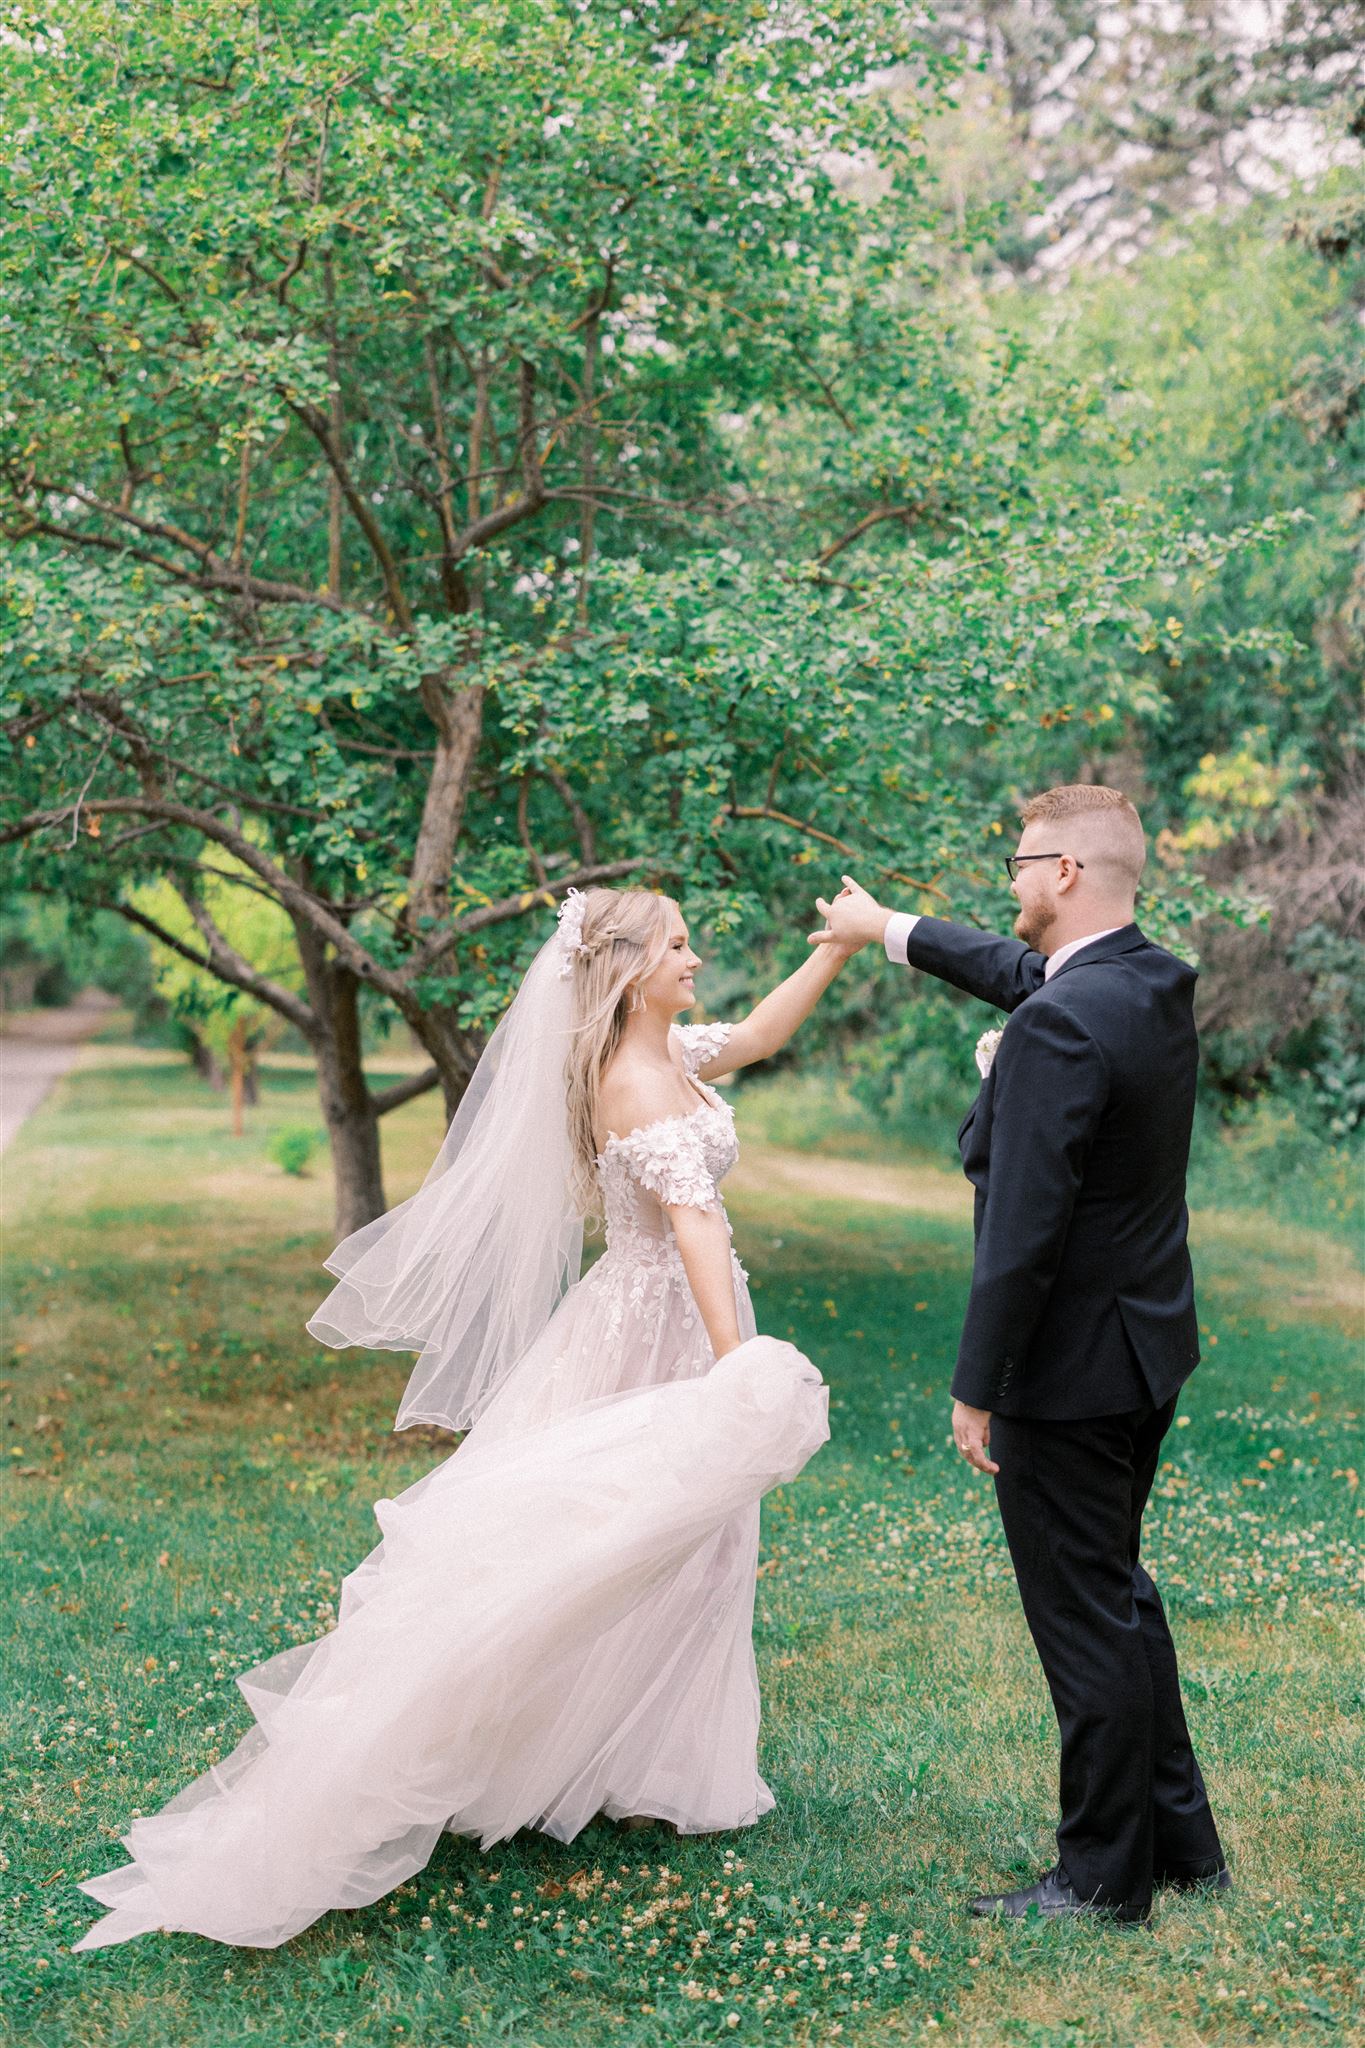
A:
x,y
293,1145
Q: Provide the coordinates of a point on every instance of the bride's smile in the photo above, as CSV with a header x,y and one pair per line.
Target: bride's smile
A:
x,y
671,986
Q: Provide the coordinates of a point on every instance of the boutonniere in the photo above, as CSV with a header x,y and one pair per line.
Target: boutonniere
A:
x,y
986,1048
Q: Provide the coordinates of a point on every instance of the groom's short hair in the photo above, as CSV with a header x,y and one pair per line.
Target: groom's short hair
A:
x,y
1103,823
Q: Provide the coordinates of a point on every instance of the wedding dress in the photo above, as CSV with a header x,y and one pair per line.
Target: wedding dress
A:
x,y
558,1620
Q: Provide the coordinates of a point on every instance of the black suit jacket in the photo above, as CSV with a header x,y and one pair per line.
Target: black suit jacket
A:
x,y
1082,1295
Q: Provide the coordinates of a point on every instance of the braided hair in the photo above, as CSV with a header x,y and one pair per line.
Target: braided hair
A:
x,y
624,936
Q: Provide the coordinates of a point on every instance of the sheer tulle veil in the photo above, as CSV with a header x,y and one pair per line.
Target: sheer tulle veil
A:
x,y
469,1270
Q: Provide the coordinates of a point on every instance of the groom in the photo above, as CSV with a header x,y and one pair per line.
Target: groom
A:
x,y
1080,1326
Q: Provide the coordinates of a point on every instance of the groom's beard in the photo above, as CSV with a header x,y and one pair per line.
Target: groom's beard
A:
x,y
1033,926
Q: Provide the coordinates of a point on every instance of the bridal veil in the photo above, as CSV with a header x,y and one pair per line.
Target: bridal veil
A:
x,y
468,1271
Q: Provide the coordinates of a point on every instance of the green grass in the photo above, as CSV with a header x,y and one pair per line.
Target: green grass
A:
x,y
1263,1156
192,1477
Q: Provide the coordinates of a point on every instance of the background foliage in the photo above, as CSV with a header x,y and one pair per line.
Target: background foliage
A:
x,y
444,458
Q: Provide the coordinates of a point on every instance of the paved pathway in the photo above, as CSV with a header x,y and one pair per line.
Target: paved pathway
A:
x,y
36,1049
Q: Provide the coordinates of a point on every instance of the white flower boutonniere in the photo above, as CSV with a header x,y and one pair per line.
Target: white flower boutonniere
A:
x,y
986,1048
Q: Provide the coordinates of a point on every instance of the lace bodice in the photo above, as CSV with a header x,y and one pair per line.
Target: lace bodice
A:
x,y
676,1159
632,1320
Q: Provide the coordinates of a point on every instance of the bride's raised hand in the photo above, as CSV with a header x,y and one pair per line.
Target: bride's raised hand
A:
x,y
853,919
771,1022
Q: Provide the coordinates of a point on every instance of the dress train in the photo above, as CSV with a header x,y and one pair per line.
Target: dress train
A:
x,y
526,1647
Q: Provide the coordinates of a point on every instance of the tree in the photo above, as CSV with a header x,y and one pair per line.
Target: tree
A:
x,y
451,457
1087,131
230,1025
1238,340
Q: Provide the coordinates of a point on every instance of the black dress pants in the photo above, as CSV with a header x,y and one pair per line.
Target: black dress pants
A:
x,y
1071,1496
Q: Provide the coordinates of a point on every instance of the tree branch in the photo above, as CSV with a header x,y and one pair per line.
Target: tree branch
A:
x,y
334,541
537,865
458,718
297,900
149,757
213,574
243,504
481,530
827,389
587,511
162,284
515,906
453,582
363,514
583,825
876,517
225,966
382,1100
229,965
827,839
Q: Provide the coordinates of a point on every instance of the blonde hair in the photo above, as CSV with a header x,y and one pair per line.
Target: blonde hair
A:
x,y
625,936
1104,825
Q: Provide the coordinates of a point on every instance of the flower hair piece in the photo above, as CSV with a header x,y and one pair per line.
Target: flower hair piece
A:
x,y
570,915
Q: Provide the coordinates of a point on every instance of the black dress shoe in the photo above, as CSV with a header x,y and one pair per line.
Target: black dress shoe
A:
x,y
1219,1880
1053,1897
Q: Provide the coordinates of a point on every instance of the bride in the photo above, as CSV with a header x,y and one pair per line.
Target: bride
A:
x,y
558,1620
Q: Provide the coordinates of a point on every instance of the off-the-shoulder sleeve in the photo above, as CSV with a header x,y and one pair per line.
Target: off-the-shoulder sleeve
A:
x,y
669,1159
701,1042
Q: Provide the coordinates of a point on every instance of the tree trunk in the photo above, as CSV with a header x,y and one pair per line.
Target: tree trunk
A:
x,y
458,718
352,1123
454,1052
237,1059
202,1058
347,1105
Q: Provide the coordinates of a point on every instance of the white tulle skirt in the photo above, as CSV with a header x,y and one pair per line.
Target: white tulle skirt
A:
x,y
557,1623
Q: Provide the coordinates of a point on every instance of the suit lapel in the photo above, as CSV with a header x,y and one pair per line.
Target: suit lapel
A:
x,y
1125,940
964,1128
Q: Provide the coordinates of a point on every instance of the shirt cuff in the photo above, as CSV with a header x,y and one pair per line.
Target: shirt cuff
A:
x,y
899,926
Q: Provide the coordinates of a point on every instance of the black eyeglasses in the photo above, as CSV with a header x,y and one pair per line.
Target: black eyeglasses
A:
x,y
1014,861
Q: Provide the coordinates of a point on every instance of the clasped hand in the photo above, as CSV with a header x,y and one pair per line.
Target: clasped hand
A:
x,y
852,920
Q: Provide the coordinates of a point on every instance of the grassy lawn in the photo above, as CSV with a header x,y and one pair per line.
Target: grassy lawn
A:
x,y
190,1477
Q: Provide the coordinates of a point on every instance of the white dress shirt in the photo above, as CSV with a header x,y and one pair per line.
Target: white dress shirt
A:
x,y
901,923
1063,953
896,937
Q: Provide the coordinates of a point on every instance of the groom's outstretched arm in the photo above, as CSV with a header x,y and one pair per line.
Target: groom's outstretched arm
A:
x,y
1001,972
